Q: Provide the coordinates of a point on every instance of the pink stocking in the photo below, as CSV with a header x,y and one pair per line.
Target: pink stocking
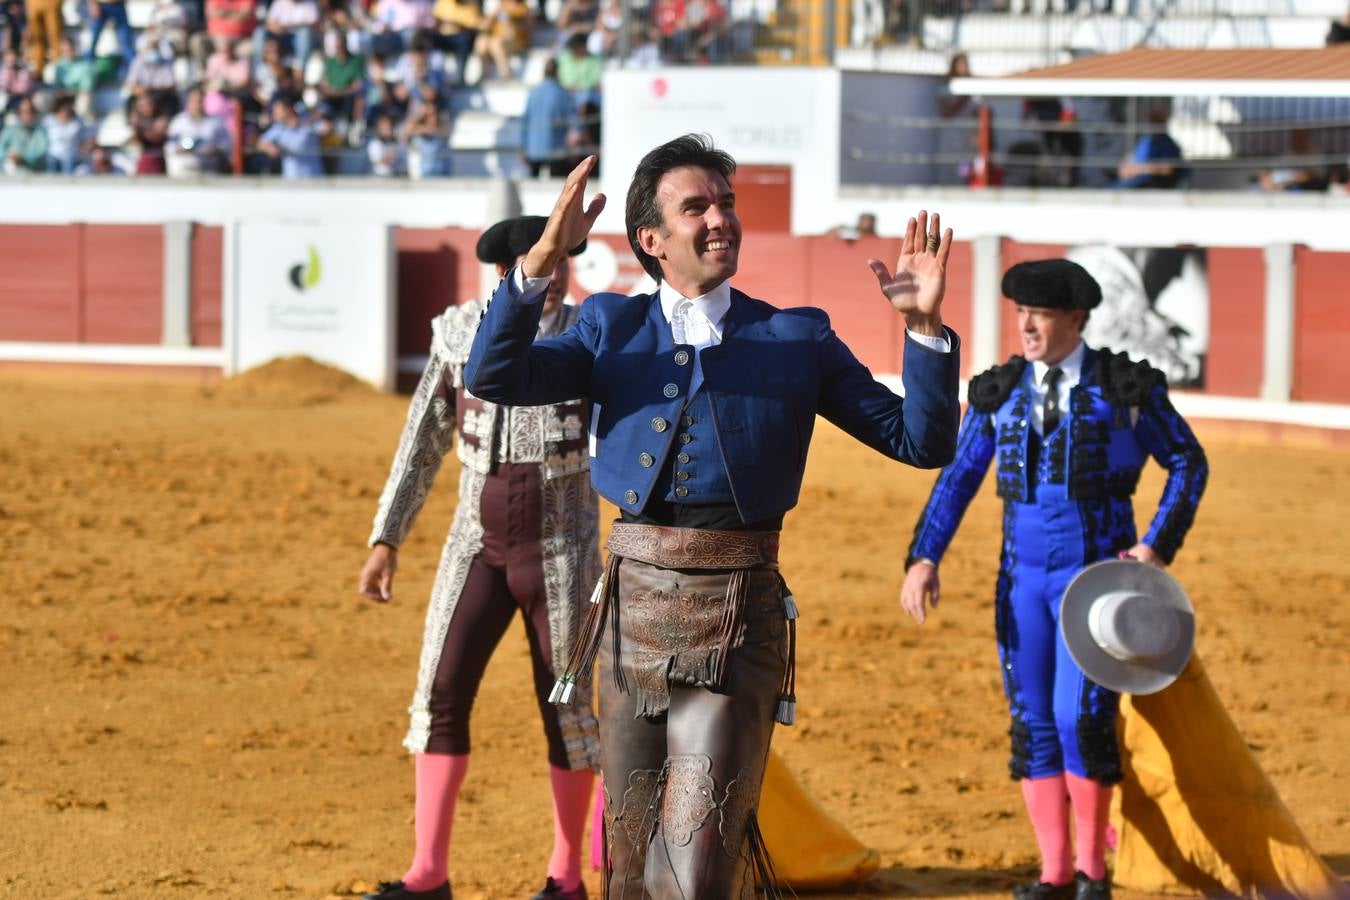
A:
x,y
439,776
598,828
1091,807
571,803
1048,805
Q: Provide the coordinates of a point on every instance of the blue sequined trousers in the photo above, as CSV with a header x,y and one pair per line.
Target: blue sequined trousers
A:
x,y
1060,720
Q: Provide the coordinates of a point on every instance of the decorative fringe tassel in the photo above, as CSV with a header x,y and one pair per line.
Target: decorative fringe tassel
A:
x,y
588,640
731,625
787,697
761,864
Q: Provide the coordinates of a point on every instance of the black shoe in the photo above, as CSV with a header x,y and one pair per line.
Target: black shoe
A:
x,y
394,890
1090,889
553,891
1044,890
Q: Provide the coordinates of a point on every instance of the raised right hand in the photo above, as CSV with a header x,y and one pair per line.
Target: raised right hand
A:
x,y
921,583
377,575
568,224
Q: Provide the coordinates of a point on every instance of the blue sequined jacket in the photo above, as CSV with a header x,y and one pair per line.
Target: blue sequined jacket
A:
x,y
1119,414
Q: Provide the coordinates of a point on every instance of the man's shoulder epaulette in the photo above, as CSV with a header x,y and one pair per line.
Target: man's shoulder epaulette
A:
x,y
1125,382
991,387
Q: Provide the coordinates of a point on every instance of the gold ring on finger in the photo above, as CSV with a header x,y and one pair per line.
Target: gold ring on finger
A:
x,y
933,243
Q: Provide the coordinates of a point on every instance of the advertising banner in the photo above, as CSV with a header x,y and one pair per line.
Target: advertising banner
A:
x,y
323,291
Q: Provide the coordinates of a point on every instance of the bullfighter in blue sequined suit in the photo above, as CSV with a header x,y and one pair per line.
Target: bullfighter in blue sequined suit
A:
x,y
1071,427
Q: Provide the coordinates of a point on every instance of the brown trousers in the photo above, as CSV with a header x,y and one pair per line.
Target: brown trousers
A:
x,y
44,32
682,783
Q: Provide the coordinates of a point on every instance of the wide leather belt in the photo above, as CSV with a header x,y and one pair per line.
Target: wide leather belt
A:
x,y
694,548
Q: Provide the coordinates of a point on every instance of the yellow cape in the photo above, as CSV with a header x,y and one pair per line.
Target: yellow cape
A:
x,y
1195,813
809,848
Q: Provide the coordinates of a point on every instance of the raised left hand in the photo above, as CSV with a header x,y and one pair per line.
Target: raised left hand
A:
x,y
916,287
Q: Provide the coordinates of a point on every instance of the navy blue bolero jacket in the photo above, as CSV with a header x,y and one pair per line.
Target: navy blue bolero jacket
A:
x,y
774,371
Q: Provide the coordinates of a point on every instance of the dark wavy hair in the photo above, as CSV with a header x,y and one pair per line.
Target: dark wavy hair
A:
x,y
642,210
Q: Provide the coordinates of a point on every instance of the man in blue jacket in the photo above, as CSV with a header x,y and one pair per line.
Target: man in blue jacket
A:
x,y
704,401
1070,427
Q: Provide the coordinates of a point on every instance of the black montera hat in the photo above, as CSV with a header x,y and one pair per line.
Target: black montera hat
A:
x,y
509,239
1052,284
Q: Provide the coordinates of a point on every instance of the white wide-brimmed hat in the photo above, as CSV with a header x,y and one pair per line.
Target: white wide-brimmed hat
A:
x,y
1128,625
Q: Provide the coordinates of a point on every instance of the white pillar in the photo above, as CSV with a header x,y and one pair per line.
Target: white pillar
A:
x,y
1277,378
177,285
503,202
986,300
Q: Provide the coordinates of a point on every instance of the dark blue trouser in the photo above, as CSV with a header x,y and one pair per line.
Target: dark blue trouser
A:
x,y
1061,720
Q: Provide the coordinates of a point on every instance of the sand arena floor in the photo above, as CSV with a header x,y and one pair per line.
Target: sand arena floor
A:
x,y
197,704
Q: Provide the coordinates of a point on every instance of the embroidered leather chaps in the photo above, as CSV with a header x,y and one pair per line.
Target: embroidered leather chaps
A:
x,y
692,661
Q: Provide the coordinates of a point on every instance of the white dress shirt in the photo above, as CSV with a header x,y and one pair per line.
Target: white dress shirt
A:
x,y
698,320
1072,367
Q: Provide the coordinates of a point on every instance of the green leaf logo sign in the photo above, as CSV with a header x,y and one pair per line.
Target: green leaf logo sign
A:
x,y
306,275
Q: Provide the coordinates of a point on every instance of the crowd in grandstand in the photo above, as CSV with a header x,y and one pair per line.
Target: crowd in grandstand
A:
x,y
303,88
309,87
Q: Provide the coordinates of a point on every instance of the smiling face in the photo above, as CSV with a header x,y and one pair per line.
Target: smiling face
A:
x,y
1049,334
699,241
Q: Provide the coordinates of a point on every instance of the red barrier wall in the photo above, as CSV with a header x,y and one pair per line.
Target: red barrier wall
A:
x,y
123,284
206,285
82,283
1237,317
40,297
437,267
1321,326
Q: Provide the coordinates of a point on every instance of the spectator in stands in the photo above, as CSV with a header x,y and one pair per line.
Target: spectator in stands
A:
x,y
44,31
228,22
381,94
342,87
150,127
1155,161
100,163
427,135
506,35
1297,176
645,44
708,29
229,78
11,25
291,140
668,17
350,25
294,25
604,38
272,76
419,75
101,12
1340,31
579,71
457,25
23,142
198,141
16,80
548,125
73,73
385,149
396,22
152,72
68,137
576,17
1057,138
866,227
169,21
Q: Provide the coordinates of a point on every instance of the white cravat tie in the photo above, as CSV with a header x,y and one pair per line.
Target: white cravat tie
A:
x,y
679,320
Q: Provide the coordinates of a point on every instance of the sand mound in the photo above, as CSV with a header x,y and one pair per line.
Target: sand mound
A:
x,y
290,381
